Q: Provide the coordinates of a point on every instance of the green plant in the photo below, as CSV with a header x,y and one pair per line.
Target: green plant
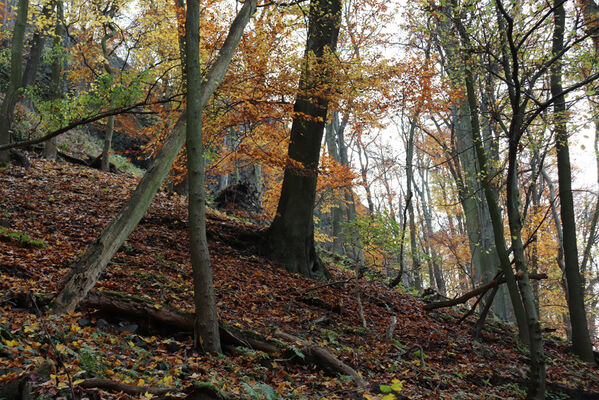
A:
x,y
90,361
517,390
260,391
20,237
378,236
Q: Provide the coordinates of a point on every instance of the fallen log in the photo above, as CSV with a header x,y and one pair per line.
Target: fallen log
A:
x,y
146,314
169,320
115,386
183,322
479,290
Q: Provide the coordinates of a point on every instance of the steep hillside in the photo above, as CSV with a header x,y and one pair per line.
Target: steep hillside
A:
x,y
50,213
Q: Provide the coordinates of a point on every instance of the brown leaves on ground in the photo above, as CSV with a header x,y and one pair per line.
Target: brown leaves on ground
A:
x,y
65,208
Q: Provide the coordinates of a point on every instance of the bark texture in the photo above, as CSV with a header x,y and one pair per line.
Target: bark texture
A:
x,y
291,234
56,85
16,73
581,340
206,334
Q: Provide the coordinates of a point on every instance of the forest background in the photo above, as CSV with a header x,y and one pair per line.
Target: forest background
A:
x,y
441,132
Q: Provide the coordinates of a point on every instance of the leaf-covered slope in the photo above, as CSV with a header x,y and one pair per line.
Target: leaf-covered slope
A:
x,y
65,207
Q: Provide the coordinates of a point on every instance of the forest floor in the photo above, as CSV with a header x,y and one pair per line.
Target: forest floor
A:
x,y
52,211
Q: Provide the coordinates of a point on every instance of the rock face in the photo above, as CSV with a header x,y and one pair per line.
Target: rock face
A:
x,y
242,197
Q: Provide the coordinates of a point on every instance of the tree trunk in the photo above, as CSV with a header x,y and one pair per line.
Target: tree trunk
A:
x,y
410,199
57,82
35,53
580,333
16,71
206,336
111,31
86,271
491,197
337,210
291,234
425,196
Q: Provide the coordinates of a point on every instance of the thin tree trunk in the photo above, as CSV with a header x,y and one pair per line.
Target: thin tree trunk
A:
x,y
86,271
492,202
593,228
337,210
426,201
112,31
581,340
536,374
57,64
410,199
16,71
206,335
364,174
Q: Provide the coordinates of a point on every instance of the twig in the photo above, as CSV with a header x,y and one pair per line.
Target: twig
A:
x,y
471,311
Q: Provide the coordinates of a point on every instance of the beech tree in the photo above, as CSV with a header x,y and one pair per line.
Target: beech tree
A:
x,y
575,295
291,235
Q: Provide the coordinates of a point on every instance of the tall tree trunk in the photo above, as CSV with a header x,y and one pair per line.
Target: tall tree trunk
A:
x,y
495,213
560,245
109,132
36,50
16,74
364,164
484,258
581,340
427,211
410,199
490,193
86,271
511,67
291,234
537,363
338,210
56,84
206,335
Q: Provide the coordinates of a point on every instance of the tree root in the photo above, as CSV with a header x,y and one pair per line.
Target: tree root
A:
x,y
171,320
115,386
322,357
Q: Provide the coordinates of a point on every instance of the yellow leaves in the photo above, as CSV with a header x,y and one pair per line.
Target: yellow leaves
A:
x,y
8,377
322,237
75,328
167,380
388,391
11,343
62,349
